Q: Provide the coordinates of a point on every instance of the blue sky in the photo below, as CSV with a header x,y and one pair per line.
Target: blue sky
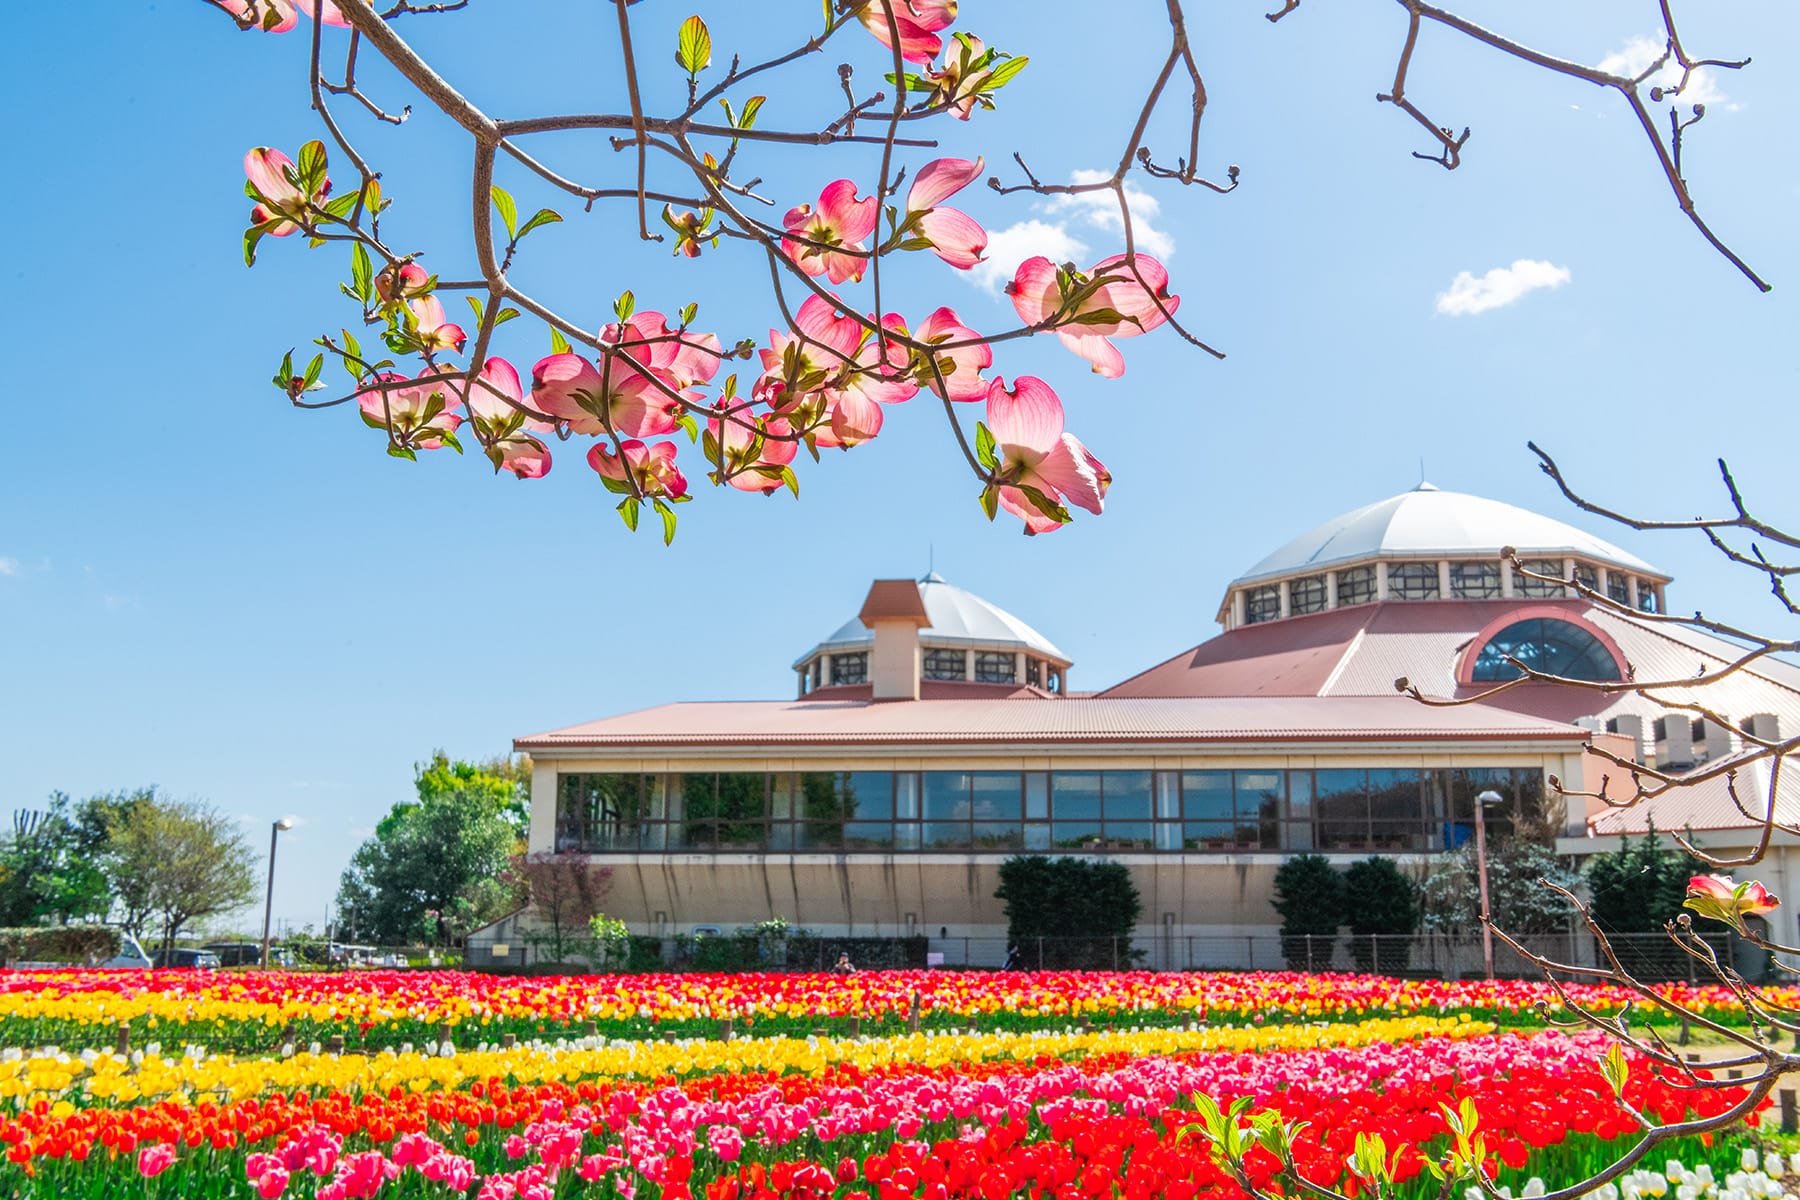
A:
x,y
207,590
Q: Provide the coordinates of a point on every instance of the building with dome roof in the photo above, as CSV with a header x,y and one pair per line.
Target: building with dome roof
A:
x,y
934,735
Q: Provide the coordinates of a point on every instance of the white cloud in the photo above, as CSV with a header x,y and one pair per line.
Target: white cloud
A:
x,y
10,566
1009,247
1469,294
1640,52
1057,235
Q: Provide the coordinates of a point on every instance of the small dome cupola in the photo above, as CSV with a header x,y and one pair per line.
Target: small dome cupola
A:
x,y
1429,544
967,640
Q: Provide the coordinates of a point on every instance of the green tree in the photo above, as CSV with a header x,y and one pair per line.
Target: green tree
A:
x,y
1084,910
175,861
1380,900
1451,896
1635,891
54,866
438,865
1309,895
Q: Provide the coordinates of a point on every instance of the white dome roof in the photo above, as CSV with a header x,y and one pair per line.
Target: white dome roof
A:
x,y
957,617
1429,523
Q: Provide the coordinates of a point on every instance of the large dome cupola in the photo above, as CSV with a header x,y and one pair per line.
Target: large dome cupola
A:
x,y
1429,544
965,639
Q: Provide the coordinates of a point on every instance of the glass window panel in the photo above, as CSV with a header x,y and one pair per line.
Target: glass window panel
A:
x,y
1258,804
944,835
1412,581
1037,837
1588,577
995,667
1355,585
1262,604
868,835
1552,568
850,668
1034,672
1037,795
1547,645
1618,587
1390,836
945,795
1394,795
1206,795
1342,804
866,795
1075,795
1168,796
1128,795
599,811
1648,600
996,835
1299,795
822,824
1209,835
1168,835
906,795
819,835
946,664
1306,595
1475,580
994,796
1076,835
1127,835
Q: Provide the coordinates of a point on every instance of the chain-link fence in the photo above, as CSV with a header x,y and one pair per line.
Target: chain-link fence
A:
x,y
1651,957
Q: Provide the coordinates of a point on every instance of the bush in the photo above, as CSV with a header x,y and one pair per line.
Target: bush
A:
x,y
1085,910
74,944
1309,895
1380,902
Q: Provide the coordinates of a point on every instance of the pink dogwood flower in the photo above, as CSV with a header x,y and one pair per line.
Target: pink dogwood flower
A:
x,y
753,451
272,174
955,237
154,1160
651,469
1086,309
279,16
398,284
1041,466
432,328
833,233
966,72
501,421
961,368
1716,896
917,22
417,417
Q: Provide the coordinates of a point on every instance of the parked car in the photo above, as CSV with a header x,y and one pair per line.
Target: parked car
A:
x,y
241,954
204,960
131,955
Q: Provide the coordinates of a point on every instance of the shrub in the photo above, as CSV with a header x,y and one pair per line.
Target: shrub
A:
x,y
1309,895
1085,910
1380,900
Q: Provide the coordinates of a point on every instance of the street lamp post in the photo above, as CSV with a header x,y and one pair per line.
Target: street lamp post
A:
x,y
1487,929
275,831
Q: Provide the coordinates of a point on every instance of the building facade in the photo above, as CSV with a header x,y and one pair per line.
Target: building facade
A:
x,y
934,735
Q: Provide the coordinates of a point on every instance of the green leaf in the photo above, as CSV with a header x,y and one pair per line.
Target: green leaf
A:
x,y
352,345
624,306
311,167
990,500
790,480
402,452
688,314
751,107
693,50
1106,316
285,371
362,272
558,343
312,370
1613,1067
543,216
340,208
1003,74
253,235
628,509
509,213
668,516
475,303
985,449
504,315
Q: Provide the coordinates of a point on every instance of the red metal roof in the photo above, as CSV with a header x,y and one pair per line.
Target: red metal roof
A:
x,y
1109,721
1707,804
894,600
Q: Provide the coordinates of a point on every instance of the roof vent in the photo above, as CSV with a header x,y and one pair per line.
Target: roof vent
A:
x,y
895,611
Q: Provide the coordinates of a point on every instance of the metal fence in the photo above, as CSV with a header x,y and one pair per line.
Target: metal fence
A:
x,y
1652,957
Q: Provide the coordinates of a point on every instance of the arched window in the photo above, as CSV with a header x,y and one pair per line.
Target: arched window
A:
x,y
1546,645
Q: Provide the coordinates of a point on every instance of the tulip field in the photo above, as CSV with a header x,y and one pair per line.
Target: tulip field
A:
x,y
872,1086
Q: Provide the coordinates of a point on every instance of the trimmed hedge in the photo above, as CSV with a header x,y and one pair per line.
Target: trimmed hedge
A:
x,y
74,944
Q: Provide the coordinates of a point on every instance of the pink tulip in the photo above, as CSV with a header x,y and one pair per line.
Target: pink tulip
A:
x,y
271,1182
961,367
651,468
281,198
917,22
955,236
834,233
154,1160
1035,452
1075,307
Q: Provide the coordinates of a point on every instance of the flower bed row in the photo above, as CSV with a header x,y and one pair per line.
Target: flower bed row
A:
x,y
1109,1123
259,1011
